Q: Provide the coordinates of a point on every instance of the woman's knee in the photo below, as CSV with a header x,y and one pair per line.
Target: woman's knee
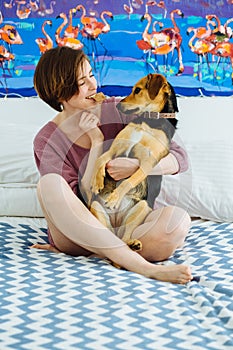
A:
x,y
49,181
178,220
50,188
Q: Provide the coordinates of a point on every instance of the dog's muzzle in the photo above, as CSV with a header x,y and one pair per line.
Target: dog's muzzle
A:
x,y
124,108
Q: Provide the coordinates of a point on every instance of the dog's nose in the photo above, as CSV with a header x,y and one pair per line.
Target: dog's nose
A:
x,y
119,107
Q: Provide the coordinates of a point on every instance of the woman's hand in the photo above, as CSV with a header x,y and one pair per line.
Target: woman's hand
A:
x,y
121,168
89,124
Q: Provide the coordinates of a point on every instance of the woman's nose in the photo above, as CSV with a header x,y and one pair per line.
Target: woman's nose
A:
x,y
92,82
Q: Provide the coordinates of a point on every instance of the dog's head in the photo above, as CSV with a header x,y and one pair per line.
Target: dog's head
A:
x,y
152,93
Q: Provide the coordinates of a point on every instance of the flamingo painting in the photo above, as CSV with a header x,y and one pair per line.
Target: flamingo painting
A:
x,y
224,50
162,5
166,40
63,40
45,43
137,4
43,10
8,5
22,11
9,34
5,57
85,20
71,31
175,40
128,8
218,33
93,31
33,5
200,47
50,9
228,30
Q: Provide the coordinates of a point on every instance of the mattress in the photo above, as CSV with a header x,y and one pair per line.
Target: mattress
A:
x,y
56,301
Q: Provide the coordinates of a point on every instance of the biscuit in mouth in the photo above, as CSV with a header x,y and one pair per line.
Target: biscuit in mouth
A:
x,y
98,97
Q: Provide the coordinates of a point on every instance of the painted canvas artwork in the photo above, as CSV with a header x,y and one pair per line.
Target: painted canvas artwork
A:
x,y
190,42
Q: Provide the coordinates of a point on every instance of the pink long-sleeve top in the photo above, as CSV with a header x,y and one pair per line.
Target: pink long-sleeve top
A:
x,y
55,153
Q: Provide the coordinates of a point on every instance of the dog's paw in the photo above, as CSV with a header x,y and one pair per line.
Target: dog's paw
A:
x,y
116,265
135,244
98,181
113,200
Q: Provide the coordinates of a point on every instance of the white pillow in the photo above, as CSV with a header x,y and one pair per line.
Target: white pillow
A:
x,y
20,120
19,200
206,189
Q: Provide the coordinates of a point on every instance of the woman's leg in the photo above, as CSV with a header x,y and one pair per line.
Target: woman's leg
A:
x,y
163,231
76,231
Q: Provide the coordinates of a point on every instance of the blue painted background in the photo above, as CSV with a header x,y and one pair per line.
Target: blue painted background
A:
x,y
117,61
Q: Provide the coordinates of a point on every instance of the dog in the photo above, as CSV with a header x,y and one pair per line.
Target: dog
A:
x,y
123,205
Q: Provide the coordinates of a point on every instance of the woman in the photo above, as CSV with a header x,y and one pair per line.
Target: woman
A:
x,y
64,149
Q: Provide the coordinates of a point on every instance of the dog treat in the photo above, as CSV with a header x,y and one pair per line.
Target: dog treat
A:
x,y
98,97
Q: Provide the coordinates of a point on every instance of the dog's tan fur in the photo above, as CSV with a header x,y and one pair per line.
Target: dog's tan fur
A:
x,y
149,145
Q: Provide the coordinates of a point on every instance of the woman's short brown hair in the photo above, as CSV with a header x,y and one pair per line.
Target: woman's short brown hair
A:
x,y
55,77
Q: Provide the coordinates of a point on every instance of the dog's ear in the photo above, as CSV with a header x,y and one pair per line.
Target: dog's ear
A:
x,y
171,103
154,84
173,99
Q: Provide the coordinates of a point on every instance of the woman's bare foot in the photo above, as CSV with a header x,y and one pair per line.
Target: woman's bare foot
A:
x,y
45,247
171,273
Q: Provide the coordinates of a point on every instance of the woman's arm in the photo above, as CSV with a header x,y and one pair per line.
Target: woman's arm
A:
x,y
175,162
88,123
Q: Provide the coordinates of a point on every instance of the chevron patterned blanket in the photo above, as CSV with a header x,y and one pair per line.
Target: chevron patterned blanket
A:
x,y
54,301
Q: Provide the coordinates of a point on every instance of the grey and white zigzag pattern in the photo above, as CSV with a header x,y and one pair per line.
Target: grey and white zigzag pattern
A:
x,y
54,301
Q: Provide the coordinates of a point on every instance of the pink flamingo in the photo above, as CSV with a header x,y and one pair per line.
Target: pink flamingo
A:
x,y
98,28
71,31
137,4
43,10
84,19
228,30
224,50
200,47
5,56
146,35
204,32
173,40
92,31
9,34
162,5
45,43
8,5
128,8
50,10
218,34
22,11
33,5
64,41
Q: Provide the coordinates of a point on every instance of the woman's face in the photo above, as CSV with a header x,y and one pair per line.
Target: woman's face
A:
x,y
87,87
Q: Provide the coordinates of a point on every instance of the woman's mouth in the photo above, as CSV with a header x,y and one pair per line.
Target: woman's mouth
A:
x,y
97,97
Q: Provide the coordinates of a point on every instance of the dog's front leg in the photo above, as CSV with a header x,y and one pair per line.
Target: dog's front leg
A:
x,y
97,182
101,214
114,199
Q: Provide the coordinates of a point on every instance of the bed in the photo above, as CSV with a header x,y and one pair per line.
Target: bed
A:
x,y
55,301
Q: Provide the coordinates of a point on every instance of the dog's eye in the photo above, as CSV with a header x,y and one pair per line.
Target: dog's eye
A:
x,y
137,90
